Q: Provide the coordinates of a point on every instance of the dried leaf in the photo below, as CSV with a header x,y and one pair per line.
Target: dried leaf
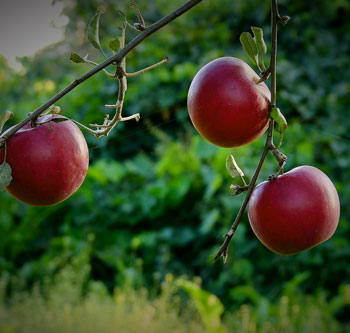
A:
x,y
232,167
5,175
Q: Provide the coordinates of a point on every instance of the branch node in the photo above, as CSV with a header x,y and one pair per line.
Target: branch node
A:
x,y
272,177
139,27
264,75
106,120
238,189
280,157
284,19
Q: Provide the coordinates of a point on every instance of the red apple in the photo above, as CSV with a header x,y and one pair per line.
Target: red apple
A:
x,y
49,161
294,212
226,105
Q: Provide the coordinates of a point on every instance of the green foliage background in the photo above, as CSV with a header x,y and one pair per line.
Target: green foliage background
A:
x,y
156,198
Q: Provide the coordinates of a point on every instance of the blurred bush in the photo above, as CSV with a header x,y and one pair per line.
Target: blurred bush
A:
x,y
72,303
156,197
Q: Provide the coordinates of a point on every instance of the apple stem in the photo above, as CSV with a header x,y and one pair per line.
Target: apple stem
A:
x,y
269,145
264,75
115,59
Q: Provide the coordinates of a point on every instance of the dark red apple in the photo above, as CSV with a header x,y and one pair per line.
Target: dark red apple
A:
x,y
226,105
49,161
294,212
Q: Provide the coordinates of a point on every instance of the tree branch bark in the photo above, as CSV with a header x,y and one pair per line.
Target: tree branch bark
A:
x,y
114,59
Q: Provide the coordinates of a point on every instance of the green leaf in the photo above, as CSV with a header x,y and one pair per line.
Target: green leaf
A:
x,y
259,40
5,175
121,13
279,118
75,57
93,30
208,305
249,47
114,44
4,118
233,168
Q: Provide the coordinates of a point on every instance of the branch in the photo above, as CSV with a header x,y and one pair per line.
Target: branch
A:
x,y
108,125
117,58
223,250
275,18
147,68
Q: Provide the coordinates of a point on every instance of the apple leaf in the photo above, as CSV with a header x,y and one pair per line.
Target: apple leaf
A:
x,y
114,44
249,47
93,30
75,57
5,175
259,40
232,167
278,117
4,118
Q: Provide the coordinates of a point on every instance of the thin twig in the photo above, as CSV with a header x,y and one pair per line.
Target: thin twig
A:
x,y
135,116
116,58
122,87
275,17
140,25
147,68
96,64
224,247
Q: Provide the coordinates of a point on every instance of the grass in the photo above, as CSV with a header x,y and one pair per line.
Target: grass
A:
x,y
181,306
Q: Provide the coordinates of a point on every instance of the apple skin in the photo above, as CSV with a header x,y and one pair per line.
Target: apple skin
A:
x,y
49,162
298,210
225,104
